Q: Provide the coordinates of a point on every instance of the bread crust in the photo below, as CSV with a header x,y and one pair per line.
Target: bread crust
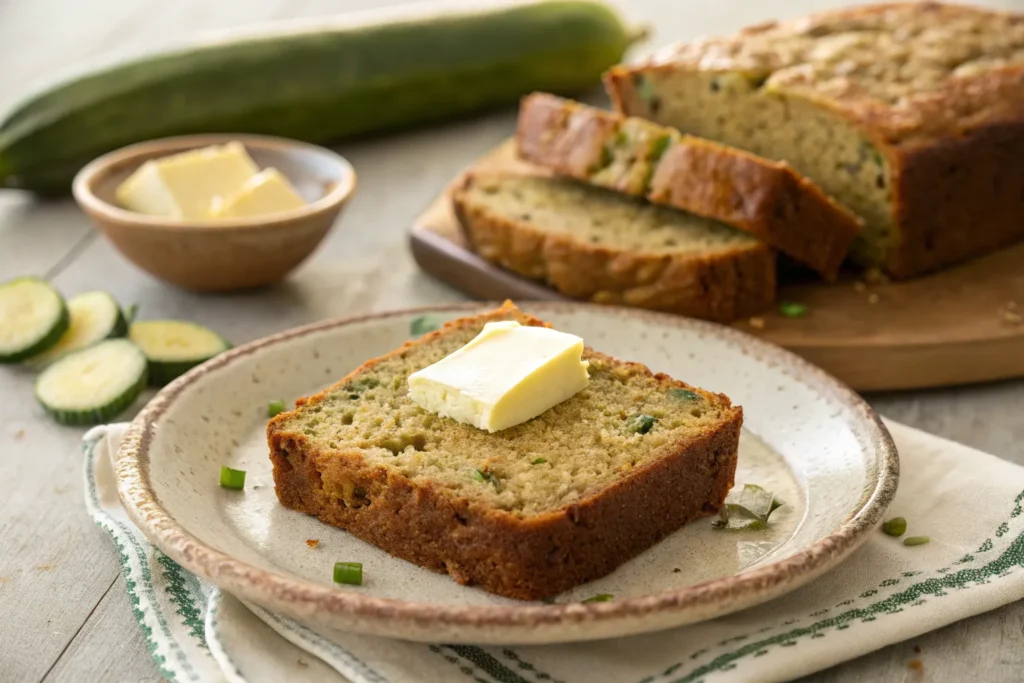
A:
x,y
954,150
526,558
765,198
721,286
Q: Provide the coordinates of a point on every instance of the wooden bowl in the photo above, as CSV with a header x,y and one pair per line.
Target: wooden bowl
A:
x,y
222,255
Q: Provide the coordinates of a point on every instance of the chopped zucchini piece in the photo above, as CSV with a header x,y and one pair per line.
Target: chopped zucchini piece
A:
x,y
95,316
174,347
92,385
33,317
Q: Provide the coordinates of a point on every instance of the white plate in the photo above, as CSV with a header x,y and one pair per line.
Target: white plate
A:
x,y
808,438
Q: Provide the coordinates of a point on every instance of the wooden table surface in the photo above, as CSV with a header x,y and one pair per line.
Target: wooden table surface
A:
x,y
64,612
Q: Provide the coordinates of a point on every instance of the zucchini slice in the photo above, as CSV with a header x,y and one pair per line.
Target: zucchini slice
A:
x,y
95,316
92,385
33,317
173,347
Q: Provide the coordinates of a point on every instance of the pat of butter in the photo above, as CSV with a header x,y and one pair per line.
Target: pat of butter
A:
x,y
184,186
508,374
265,193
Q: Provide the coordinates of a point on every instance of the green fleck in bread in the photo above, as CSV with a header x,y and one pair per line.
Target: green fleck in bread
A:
x,y
527,512
911,115
597,245
765,198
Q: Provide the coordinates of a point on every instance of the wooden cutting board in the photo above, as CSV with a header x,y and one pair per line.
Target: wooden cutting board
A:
x,y
958,326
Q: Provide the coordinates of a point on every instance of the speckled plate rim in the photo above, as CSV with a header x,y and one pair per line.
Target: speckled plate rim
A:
x,y
690,604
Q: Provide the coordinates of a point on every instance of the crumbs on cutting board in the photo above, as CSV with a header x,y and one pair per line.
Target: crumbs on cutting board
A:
x,y
44,567
313,542
875,276
1010,314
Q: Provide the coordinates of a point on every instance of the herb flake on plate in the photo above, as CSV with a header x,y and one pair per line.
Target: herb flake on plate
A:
x,y
424,324
897,526
747,509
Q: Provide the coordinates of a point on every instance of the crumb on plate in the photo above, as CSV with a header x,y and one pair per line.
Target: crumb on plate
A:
x,y
313,542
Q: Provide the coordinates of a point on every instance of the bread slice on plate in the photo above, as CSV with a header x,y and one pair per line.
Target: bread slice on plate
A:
x,y
910,114
766,198
597,245
527,512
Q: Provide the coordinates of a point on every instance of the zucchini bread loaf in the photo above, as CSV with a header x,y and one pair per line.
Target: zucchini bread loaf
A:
x,y
597,245
911,115
766,198
526,512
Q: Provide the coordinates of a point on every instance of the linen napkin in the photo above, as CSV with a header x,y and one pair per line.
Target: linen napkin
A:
x,y
969,504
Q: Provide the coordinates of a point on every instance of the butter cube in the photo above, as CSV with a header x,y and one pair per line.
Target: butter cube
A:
x,y
265,193
508,374
183,186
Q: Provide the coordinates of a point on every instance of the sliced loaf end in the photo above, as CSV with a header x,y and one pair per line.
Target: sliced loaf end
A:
x,y
592,244
634,156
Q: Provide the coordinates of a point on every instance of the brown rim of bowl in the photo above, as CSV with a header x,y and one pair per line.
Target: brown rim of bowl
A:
x,y
81,186
248,580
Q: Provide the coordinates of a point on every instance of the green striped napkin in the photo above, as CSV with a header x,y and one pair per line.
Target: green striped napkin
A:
x,y
885,593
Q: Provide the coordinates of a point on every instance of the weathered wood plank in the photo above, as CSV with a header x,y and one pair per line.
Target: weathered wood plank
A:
x,y
54,563
108,648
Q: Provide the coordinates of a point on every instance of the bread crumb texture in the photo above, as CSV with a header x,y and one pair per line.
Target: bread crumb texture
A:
x,y
909,114
626,418
604,218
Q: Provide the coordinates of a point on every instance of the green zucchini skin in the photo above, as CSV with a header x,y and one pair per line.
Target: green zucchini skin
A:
x,y
52,337
99,412
163,371
60,326
318,86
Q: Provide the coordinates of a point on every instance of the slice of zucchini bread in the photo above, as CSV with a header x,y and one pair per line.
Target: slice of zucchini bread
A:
x,y
527,512
911,115
766,198
594,244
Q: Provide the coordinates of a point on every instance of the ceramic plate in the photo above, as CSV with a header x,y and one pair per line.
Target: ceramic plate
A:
x,y
806,437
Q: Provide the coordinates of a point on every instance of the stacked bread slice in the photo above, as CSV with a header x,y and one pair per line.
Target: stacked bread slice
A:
x,y
795,138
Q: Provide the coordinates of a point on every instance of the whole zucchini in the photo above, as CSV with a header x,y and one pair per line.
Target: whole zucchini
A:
x,y
319,84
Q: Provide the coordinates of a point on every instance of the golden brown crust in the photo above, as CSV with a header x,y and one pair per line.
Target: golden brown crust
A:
x,y
904,71
958,197
721,286
952,133
519,557
765,198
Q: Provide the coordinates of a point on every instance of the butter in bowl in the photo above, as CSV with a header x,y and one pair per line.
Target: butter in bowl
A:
x,y
209,183
214,213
